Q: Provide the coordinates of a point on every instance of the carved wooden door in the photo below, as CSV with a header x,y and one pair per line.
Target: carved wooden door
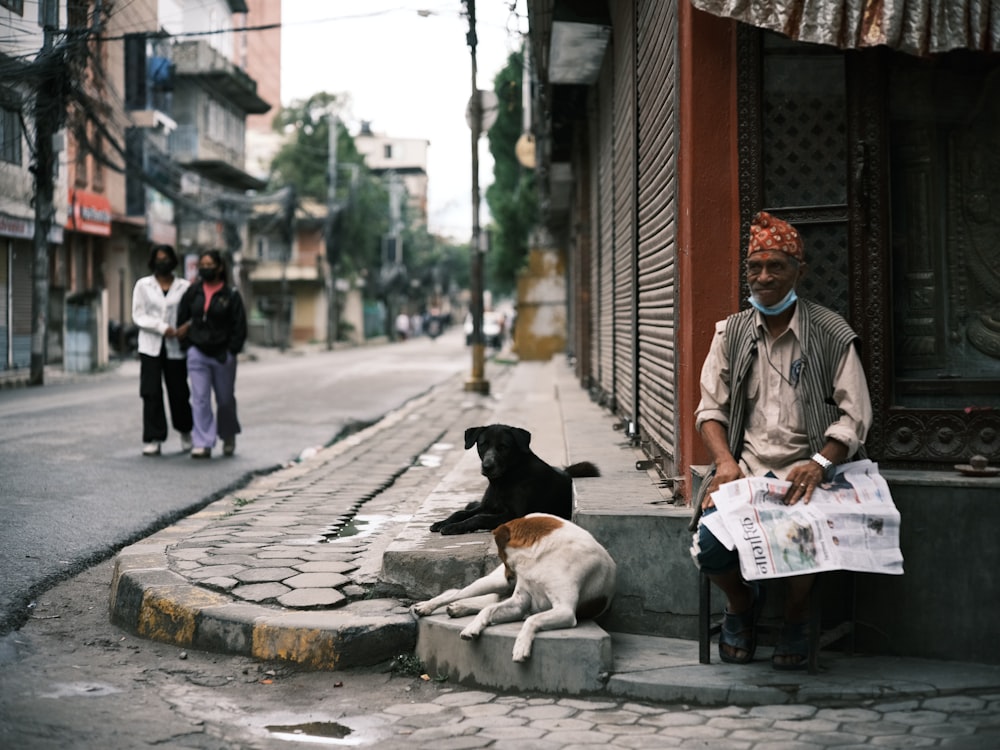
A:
x,y
888,164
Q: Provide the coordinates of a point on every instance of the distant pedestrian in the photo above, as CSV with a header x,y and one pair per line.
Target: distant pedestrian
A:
x,y
402,326
155,299
218,329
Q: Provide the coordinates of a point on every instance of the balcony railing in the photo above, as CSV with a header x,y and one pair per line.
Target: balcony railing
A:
x,y
199,58
188,144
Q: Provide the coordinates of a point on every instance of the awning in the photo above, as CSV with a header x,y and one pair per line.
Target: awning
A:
x,y
89,213
917,27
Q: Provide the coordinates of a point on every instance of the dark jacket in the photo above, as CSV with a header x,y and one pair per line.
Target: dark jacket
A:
x,y
219,330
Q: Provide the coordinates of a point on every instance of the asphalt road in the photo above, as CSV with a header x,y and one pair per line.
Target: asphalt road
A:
x,y
74,487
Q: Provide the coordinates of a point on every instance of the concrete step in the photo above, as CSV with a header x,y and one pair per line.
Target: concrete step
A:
x,y
569,661
623,509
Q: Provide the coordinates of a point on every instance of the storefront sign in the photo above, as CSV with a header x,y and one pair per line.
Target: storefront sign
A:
x,y
12,226
89,213
19,228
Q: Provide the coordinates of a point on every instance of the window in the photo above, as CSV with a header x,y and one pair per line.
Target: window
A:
x,y
10,136
15,5
76,14
98,176
387,151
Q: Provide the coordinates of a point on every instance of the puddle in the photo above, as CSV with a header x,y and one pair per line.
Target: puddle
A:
x,y
358,526
74,689
314,732
354,527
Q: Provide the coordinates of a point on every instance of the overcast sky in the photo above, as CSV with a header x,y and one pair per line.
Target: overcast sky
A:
x,y
410,75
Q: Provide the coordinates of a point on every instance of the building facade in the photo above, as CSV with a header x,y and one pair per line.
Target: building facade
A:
x,y
662,127
20,62
404,158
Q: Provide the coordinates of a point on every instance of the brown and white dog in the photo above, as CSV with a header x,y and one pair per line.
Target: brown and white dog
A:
x,y
552,572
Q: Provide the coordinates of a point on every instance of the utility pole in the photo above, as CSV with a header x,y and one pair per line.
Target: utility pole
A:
x,y
288,232
48,115
332,251
477,382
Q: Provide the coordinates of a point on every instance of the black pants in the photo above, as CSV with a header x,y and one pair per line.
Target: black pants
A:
x,y
173,373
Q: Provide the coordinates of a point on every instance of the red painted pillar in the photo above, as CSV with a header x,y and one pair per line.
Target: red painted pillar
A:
x,y
708,257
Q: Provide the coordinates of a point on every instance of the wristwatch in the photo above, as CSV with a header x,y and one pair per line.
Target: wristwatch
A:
x,y
823,461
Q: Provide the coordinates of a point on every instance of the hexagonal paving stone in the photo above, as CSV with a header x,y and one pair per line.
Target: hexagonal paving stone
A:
x,y
316,580
258,592
263,575
326,566
309,598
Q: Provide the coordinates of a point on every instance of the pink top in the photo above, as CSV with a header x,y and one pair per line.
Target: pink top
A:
x,y
210,288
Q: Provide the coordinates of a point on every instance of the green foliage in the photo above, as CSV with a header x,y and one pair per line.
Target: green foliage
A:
x,y
433,265
512,196
303,163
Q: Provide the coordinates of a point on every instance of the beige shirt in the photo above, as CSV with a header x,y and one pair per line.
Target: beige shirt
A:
x,y
776,438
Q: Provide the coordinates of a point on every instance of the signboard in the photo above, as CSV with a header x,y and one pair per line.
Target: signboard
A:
x,y
89,213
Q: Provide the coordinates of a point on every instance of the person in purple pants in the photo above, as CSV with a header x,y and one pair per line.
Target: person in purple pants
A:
x,y
216,334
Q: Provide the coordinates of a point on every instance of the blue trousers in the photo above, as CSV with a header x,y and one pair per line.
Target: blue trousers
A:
x,y
208,375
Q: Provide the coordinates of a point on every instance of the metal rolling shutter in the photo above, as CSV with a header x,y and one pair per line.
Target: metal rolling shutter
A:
x,y
657,214
604,248
21,292
624,208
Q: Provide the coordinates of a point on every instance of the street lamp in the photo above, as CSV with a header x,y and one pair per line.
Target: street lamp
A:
x,y
477,382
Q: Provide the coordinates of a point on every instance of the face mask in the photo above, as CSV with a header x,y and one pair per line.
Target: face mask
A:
x,y
163,267
787,302
208,274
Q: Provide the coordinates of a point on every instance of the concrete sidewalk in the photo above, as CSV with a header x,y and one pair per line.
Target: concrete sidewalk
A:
x,y
317,564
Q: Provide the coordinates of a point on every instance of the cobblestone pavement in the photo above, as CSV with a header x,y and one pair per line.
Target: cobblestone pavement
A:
x,y
300,538
312,535
461,719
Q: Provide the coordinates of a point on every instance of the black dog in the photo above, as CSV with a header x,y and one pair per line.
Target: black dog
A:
x,y
520,482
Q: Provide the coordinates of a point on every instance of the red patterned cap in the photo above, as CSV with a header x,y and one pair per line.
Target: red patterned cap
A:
x,y
770,233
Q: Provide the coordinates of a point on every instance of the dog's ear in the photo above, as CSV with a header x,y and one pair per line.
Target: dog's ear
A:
x,y
502,536
522,438
472,435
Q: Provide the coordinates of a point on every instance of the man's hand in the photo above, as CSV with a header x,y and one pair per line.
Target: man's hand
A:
x,y
808,474
804,479
726,471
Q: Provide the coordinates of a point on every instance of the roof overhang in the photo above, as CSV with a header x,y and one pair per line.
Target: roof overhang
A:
x,y
223,173
917,28
579,38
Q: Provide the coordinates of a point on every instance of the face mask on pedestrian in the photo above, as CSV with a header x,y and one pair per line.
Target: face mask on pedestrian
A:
x,y
208,274
163,267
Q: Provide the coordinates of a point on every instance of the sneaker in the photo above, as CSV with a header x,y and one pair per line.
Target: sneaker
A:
x,y
201,453
151,449
186,441
229,446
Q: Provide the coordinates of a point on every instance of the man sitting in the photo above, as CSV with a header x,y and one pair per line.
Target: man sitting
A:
x,y
782,391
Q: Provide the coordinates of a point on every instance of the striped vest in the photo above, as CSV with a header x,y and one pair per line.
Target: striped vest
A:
x,y
824,338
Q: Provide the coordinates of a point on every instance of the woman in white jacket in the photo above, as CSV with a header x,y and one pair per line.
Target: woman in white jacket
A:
x,y
161,359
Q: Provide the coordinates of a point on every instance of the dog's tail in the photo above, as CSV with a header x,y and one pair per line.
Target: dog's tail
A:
x,y
583,469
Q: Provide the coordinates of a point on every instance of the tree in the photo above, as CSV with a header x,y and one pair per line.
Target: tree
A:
x,y
363,218
303,162
512,196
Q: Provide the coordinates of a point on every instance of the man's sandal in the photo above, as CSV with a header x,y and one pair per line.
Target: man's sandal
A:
x,y
739,632
793,648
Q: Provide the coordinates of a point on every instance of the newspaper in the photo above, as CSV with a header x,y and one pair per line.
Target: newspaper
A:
x,y
850,523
